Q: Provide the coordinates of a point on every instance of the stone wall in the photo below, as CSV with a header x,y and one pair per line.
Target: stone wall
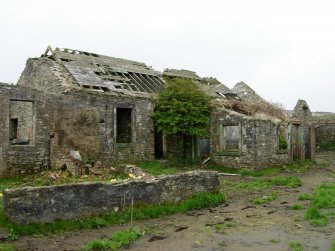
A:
x,y
325,138
76,120
46,204
258,146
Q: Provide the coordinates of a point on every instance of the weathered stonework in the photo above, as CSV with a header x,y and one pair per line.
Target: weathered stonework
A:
x,y
83,121
46,204
258,141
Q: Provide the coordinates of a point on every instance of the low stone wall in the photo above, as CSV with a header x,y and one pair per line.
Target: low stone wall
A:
x,y
46,204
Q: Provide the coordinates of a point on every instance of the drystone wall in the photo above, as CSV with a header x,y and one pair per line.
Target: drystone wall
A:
x,y
46,204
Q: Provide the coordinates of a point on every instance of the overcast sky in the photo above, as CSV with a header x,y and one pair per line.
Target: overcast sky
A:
x,y
284,50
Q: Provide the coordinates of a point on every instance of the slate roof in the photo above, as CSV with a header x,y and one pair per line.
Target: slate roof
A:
x,y
104,73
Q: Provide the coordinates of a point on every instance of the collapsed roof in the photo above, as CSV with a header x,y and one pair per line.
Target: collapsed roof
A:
x,y
210,85
104,73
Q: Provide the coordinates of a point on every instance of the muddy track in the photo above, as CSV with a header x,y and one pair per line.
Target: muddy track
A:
x,y
240,225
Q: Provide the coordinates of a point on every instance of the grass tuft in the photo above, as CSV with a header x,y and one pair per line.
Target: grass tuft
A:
x,y
297,207
295,246
304,196
265,199
118,239
6,247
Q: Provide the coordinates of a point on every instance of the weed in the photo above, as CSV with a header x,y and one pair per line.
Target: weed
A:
x,y
324,196
6,247
288,181
295,246
229,225
297,207
274,241
304,196
141,212
299,166
218,227
315,217
117,240
266,198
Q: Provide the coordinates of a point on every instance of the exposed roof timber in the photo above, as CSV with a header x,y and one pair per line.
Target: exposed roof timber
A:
x,y
139,82
138,86
158,82
151,86
157,87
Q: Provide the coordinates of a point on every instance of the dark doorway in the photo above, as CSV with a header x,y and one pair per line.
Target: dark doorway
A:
x,y
204,148
158,144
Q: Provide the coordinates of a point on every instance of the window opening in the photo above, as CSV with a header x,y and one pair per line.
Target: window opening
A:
x,y
123,125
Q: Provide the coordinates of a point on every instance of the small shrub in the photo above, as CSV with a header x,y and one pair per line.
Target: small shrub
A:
x,y
282,142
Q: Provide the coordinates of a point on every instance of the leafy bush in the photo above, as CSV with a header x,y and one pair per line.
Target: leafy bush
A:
x,y
182,108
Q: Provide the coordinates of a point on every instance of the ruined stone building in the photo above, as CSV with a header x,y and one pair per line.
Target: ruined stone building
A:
x,y
100,106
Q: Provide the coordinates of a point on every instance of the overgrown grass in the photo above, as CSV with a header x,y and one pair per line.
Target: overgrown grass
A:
x,y
297,207
141,212
332,248
304,196
157,168
116,241
299,166
6,247
295,246
287,181
323,200
265,199
263,183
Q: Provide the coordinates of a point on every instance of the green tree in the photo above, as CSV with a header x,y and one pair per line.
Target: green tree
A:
x,y
182,108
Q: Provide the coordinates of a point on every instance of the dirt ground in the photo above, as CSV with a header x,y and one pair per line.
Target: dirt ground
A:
x,y
237,225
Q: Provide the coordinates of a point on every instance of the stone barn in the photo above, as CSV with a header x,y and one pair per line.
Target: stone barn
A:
x,y
70,100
